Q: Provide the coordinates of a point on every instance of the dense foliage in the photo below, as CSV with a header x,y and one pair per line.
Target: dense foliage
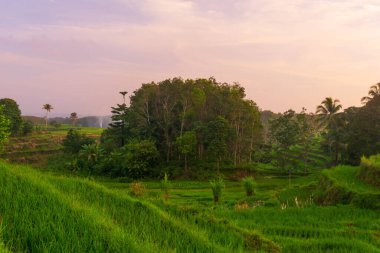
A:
x,y
4,127
189,120
75,140
12,111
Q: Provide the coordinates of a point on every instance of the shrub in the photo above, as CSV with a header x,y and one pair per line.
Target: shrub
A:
x,y
138,157
370,170
216,186
249,185
165,186
74,141
27,127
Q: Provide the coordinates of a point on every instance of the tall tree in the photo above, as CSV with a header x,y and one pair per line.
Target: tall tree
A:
x,y
119,119
328,112
73,118
373,92
12,111
186,145
216,139
48,108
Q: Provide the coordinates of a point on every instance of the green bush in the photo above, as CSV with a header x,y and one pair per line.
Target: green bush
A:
x,y
370,170
27,127
249,185
74,141
216,186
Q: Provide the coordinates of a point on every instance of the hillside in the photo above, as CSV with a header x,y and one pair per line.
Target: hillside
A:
x,y
83,216
87,216
37,147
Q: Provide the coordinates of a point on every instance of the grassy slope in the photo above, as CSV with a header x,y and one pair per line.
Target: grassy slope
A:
x,y
45,213
346,176
341,185
309,228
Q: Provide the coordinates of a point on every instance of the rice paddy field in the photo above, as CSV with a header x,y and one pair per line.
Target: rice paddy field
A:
x,y
44,212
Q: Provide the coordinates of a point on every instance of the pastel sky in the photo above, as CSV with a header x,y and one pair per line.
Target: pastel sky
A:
x,y
78,54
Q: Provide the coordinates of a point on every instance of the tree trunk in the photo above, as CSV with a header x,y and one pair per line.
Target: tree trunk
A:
x,y
46,120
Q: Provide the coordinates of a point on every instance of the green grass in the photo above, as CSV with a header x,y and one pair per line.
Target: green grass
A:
x,y
46,212
346,176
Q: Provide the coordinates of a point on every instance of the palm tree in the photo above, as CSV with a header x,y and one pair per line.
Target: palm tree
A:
x,y
374,91
74,117
328,108
328,111
48,108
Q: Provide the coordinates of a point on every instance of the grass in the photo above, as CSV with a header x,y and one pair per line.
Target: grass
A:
x,y
46,212
346,176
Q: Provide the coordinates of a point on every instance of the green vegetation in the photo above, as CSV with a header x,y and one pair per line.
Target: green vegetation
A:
x,y
82,216
342,186
4,127
370,170
217,186
278,193
11,110
249,185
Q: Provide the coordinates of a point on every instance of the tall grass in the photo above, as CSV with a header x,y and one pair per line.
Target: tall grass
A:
x,y
217,186
58,214
249,185
165,186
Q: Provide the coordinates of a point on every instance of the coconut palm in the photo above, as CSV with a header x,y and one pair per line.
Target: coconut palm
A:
x,y
74,117
328,110
48,108
374,91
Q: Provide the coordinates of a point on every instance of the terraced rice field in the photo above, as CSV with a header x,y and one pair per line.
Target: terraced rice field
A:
x,y
42,212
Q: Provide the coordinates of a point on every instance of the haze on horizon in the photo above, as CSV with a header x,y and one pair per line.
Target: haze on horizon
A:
x,y
78,54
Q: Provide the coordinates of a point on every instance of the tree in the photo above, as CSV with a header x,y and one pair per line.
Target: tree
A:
x,y
27,127
327,109
186,145
362,131
48,109
92,154
12,112
74,118
4,126
373,92
328,112
216,139
139,157
119,119
74,141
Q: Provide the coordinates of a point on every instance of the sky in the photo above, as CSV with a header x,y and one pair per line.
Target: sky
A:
x,y
78,54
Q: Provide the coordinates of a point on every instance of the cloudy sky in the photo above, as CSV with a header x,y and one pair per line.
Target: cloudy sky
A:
x,y
78,54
